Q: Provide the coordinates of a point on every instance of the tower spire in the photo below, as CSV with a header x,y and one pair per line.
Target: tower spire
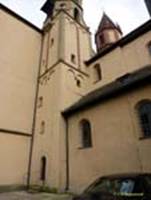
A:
x,y
148,4
108,33
48,7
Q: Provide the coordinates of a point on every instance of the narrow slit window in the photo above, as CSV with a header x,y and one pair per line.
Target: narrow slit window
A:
x,y
76,14
42,128
97,73
78,83
102,39
149,48
73,58
86,137
51,42
43,168
40,102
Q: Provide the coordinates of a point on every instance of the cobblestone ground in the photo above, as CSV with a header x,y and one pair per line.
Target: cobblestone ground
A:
x,y
37,196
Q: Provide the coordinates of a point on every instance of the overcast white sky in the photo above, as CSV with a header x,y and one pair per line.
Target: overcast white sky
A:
x,y
129,14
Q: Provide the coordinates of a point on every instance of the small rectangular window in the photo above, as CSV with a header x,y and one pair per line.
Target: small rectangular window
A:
x,y
149,49
51,42
102,39
97,73
73,58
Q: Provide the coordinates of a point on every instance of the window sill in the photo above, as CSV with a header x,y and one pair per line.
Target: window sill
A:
x,y
97,81
145,138
84,148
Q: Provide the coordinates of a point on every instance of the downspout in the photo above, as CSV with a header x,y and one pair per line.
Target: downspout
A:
x,y
67,154
34,118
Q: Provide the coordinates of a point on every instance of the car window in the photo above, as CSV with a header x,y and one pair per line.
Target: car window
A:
x,y
119,185
127,186
122,186
113,186
101,186
147,184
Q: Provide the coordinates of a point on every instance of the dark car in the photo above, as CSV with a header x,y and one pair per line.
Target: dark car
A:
x,y
119,187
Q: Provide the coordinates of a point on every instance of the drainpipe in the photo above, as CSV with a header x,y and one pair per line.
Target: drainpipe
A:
x,y
34,117
67,154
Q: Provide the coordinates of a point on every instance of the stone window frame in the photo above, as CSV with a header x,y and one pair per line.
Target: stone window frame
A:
x,y
85,134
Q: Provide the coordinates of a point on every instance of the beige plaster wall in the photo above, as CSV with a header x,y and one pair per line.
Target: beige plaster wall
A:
x,y
19,62
115,138
47,142
122,60
58,89
14,156
71,91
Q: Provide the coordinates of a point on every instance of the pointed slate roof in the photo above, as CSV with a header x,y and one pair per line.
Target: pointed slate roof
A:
x,y
148,5
107,23
48,7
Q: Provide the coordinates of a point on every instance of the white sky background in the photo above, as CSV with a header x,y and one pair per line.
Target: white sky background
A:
x,y
129,14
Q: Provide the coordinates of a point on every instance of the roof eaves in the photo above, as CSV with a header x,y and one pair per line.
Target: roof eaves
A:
x,y
9,11
112,89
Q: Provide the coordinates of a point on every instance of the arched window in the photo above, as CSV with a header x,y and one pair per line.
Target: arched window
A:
x,y
86,138
43,168
97,72
144,112
76,15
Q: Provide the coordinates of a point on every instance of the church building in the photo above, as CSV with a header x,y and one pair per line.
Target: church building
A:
x,y
68,114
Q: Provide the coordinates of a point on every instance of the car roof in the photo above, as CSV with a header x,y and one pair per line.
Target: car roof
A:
x,y
116,176
125,175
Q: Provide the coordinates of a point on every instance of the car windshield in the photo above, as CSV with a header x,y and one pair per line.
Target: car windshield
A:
x,y
137,185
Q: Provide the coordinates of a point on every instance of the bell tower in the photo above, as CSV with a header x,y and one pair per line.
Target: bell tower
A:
x,y
72,7
65,18
108,33
63,78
